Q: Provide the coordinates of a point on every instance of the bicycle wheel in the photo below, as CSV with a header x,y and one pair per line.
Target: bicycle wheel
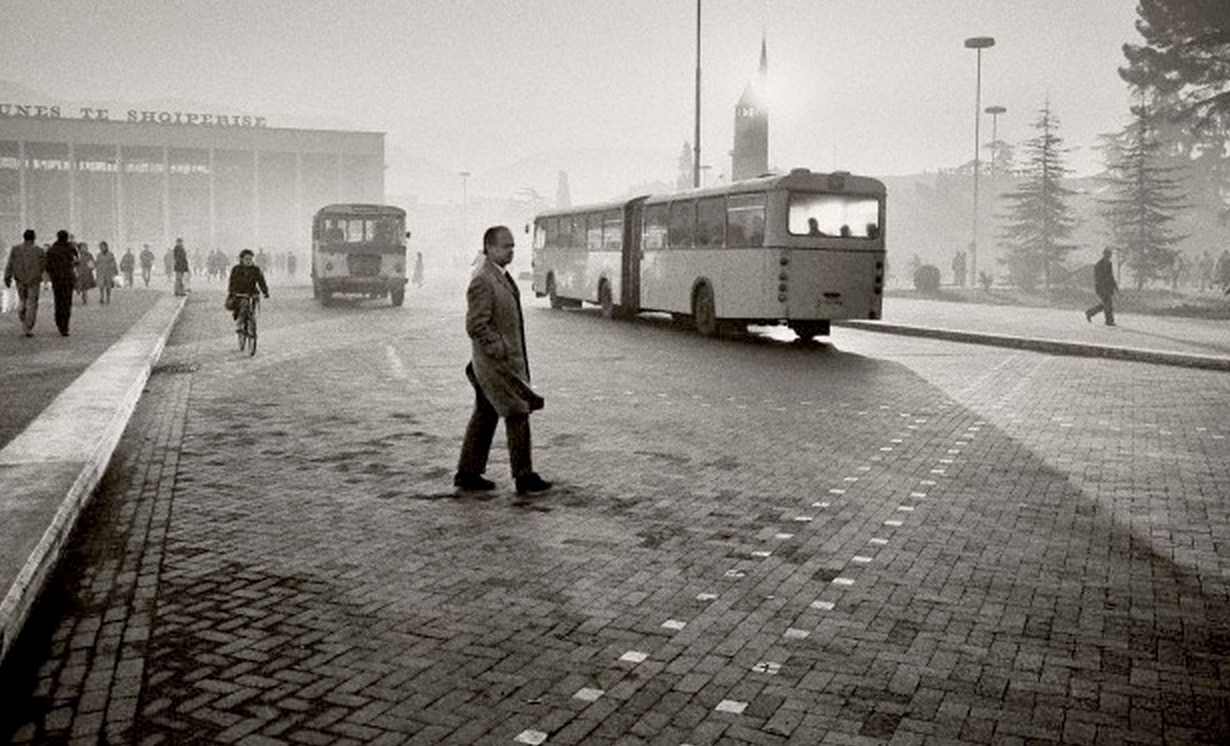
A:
x,y
250,328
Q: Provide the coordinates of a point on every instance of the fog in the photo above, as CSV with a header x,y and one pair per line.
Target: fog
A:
x,y
478,85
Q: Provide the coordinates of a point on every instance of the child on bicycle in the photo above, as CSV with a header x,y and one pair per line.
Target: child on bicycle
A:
x,y
246,279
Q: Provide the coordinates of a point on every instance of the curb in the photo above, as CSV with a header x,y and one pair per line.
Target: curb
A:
x,y
133,357
1050,346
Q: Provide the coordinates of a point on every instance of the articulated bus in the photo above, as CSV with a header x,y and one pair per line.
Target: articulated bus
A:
x,y
801,249
359,250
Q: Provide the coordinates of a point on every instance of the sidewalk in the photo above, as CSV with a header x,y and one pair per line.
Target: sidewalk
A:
x,y
1155,339
62,443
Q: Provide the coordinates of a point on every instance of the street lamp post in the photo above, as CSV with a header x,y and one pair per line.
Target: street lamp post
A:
x,y
994,111
977,43
696,133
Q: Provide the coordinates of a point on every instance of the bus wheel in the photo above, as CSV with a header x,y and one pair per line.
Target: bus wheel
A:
x,y
703,314
808,329
556,301
398,296
605,300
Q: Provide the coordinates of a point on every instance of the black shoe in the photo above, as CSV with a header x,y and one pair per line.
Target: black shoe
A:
x,y
531,483
472,482
63,332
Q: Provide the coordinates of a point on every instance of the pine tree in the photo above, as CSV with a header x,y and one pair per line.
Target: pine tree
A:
x,y
1185,58
1145,197
1038,221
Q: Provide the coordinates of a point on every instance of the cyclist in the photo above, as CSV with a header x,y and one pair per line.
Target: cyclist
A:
x,y
246,279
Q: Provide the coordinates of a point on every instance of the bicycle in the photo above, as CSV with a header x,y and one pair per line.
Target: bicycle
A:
x,y
246,321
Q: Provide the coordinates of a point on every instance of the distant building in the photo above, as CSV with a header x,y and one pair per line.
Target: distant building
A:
x,y
217,181
750,157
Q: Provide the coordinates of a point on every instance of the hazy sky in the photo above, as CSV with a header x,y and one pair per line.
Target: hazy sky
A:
x,y
873,86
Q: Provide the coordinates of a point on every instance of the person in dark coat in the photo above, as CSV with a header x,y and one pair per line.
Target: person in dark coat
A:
x,y
246,279
128,263
25,266
62,270
147,264
499,372
179,258
1105,286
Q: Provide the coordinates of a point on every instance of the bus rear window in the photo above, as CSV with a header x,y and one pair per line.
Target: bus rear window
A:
x,y
836,215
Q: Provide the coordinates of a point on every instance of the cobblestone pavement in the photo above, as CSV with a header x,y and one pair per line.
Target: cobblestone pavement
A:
x,y
36,370
878,540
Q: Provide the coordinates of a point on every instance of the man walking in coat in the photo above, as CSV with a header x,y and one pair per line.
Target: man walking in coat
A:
x,y
62,269
179,261
499,372
25,267
147,264
1104,285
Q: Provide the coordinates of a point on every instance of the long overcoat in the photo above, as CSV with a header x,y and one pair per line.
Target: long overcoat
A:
x,y
497,337
1104,278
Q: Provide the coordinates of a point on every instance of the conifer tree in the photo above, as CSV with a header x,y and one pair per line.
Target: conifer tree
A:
x,y
1144,197
1039,222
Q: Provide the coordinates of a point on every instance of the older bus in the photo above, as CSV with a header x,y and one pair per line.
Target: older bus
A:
x,y
359,249
801,249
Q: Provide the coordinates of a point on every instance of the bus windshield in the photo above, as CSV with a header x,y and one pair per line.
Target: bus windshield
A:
x,y
357,230
835,215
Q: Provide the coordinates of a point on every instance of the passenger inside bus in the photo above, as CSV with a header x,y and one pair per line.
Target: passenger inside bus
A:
x,y
813,228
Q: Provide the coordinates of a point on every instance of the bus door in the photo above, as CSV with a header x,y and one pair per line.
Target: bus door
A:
x,y
634,213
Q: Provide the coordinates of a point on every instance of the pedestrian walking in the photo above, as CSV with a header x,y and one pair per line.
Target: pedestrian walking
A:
x,y
62,270
417,278
127,264
85,272
106,270
958,269
168,264
1105,286
180,265
499,372
25,268
147,264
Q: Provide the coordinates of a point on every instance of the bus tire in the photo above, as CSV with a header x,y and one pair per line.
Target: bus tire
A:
x,y
605,300
397,296
556,301
808,329
704,312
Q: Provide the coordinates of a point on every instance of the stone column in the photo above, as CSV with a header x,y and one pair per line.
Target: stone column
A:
x,y
166,195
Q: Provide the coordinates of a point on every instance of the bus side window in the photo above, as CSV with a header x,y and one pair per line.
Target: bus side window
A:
x,y
745,218
655,227
711,223
593,232
613,230
552,231
578,232
540,234
682,227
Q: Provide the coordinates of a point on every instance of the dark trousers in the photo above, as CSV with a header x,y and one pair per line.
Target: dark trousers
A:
x,y
1106,306
481,431
62,293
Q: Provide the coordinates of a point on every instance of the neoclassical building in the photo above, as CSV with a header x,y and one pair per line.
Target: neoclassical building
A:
x,y
215,180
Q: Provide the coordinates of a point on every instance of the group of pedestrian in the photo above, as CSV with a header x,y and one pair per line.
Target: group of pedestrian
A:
x,y
27,266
